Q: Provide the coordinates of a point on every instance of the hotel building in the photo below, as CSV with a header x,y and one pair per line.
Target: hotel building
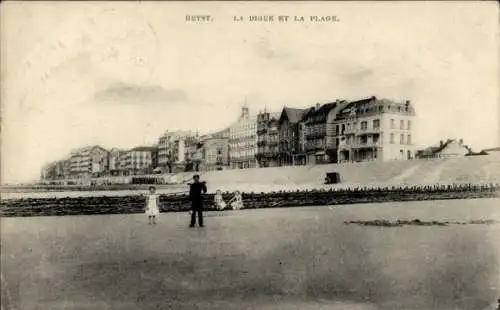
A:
x,y
91,161
138,160
267,139
291,128
375,129
215,151
243,141
172,150
317,127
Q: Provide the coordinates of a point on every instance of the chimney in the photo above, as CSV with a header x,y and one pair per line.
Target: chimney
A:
x,y
318,105
441,143
461,141
337,101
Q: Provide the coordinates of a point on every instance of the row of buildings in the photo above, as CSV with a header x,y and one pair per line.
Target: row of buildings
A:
x,y
335,132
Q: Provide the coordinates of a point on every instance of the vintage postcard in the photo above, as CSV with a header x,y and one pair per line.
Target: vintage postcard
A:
x,y
250,155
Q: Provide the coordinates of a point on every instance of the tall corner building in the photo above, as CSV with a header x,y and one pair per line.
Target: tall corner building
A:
x,y
243,141
375,129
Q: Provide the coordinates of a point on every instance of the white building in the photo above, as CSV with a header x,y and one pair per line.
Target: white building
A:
x,y
138,160
89,161
375,129
243,141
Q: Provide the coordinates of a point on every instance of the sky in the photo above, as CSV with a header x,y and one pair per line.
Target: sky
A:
x,y
119,74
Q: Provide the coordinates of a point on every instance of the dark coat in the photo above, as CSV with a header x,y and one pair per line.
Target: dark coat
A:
x,y
196,191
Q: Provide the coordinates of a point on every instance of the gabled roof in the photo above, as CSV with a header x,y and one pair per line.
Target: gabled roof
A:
x,y
437,149
359,102
325,109
294,115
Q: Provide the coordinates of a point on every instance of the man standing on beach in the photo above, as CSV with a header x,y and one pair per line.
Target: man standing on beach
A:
x,y
196,191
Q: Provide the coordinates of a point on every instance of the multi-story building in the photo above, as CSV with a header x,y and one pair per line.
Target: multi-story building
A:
x,y
136,161
215,151
154,157
91,161
172,150
267,139
62,169
48,172
243,141
192,153
375,129
288,135
316,121
114,163
332,140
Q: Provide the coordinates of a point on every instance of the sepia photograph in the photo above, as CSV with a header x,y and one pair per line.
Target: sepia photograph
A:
x,y
250,155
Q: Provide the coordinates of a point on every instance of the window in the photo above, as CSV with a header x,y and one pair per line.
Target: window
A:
x,y
392,123
376,124
402,139
364,125
408,141
409,125
401,124
392,138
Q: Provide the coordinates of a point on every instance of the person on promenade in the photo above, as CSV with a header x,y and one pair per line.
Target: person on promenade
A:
x,y
236,202
220,205
153,205
196,191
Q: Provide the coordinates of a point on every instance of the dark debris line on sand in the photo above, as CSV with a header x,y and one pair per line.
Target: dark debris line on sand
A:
x,y
416,222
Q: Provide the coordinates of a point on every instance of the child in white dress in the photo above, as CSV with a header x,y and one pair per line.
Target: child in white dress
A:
x,y
237,201
153,205
220,205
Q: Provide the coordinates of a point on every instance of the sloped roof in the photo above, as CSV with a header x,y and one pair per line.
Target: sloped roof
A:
x,y
359,102
325,109
492,149
275,115
437,149
294,115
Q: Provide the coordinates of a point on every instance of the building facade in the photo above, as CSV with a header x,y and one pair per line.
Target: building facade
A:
x,y
136,161
87,162
215,151
243,141
114,161
172,150
267,139
62,169
446,149
192,153
48,172
289,136
317,122
375,129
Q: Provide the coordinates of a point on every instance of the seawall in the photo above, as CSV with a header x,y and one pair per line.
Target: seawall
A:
x,y
180,203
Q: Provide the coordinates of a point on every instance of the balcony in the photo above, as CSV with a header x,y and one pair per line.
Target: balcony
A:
x,y
360,145
368,131
350,131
